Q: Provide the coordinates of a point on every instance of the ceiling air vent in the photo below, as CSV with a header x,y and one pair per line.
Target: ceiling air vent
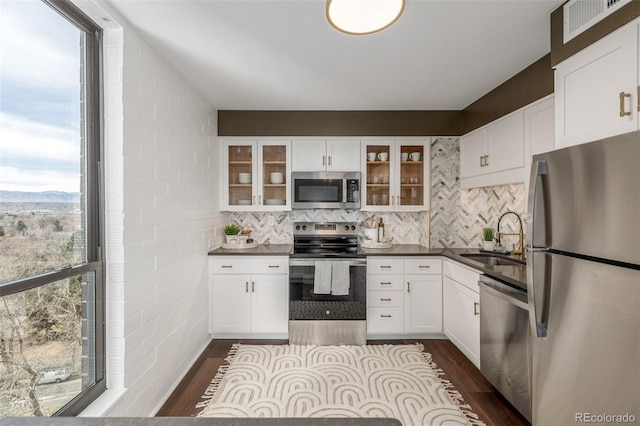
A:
x,y
582,14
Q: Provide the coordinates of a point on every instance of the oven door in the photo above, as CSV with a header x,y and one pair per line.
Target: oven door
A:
x,y
327,319
305,304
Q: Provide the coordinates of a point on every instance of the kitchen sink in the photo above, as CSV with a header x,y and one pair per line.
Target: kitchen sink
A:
x,y
492,260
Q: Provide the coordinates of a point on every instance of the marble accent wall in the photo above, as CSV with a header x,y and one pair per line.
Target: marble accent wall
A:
x,y
458,215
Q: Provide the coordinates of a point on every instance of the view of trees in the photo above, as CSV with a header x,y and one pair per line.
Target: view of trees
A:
x,y
40,329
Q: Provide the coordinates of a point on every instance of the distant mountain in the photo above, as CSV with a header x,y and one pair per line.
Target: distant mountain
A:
x,y
39,197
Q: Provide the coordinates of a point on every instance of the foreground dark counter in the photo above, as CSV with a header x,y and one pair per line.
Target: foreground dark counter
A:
x,y
513,275
192,421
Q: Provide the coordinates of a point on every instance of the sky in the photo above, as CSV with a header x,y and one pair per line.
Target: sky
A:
x,y
39,99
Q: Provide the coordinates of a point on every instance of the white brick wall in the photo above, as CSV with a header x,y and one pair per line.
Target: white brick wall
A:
x,y
162,208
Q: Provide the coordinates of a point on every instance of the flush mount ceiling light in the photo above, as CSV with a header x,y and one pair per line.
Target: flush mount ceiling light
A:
x,y
363,16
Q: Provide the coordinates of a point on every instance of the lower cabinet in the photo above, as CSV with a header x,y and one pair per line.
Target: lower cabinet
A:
x,y
250,304
461,309
404,296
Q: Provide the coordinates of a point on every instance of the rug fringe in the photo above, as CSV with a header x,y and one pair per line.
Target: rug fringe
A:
x,y
451,392
215,383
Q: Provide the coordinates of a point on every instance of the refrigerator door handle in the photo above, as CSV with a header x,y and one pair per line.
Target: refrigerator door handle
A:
x,y
537,232
537,290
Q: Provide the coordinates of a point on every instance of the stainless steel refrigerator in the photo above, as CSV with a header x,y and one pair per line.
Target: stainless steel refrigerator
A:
x,y
583,283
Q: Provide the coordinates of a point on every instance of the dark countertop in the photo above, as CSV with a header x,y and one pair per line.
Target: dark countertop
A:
x,y
514,275
195,421
261,250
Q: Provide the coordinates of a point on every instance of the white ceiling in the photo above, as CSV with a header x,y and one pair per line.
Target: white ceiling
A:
x,y
284,55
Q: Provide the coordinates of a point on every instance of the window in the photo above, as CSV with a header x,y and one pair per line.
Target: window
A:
x,y
51,266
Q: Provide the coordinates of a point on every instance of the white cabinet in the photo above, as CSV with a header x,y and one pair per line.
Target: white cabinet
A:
x,y
493,154
461,308
339,155
256,175
396,174
404,296
597,89
246,304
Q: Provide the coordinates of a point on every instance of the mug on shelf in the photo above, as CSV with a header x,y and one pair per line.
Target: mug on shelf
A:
x,y
244,177
276,177
371,156
415,156
383,156
404,156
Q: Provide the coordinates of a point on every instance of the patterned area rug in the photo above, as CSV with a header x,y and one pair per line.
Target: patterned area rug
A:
x,y
397,381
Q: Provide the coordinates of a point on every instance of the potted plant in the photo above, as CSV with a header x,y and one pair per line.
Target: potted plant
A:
x,y
487,239
231,232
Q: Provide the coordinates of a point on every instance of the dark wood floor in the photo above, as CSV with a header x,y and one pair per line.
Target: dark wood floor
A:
x,y
483,398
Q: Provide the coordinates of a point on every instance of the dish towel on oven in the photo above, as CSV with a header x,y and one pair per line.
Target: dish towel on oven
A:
x,y
322,277
331,277
340,278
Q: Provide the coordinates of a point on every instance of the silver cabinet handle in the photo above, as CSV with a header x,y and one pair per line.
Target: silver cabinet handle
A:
x,y
274,266
424,267
246,287
385,267
259,199
385,283
254,200
408,287
226,266
329,160
476,310
623,95
486,160
482,161
385,316
253,287
324,160
385,299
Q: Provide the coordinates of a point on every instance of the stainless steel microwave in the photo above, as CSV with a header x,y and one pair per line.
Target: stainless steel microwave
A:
x,y
325,190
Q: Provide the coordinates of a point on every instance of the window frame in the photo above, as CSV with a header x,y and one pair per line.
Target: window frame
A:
x,y
94,193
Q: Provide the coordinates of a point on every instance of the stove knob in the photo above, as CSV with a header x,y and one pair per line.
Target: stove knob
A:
x,y
304,227
346,227
297,227
353,227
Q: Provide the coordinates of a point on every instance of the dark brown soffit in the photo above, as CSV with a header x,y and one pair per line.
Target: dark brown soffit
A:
x,y
338,123
533,83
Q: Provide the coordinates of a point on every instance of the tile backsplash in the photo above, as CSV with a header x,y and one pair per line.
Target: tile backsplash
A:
x,y
406,228
456,218
458,215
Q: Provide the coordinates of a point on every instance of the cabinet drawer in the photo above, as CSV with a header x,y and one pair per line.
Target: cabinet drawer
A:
x,y
422,265
250,265
385,320
385,298
385,265
384,282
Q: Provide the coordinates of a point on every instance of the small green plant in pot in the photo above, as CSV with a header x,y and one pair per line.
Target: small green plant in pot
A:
x,y
487,237
231,231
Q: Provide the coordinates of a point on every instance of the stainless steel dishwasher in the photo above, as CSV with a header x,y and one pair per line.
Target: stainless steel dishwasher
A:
x,y
505,355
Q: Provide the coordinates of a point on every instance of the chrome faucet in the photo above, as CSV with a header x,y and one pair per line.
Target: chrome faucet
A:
x,y
520,250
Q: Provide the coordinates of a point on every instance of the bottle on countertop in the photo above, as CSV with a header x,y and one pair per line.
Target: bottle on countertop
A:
x,y
380,231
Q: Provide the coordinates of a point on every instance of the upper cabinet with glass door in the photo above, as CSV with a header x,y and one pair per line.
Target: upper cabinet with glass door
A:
x,y
396,175
257,175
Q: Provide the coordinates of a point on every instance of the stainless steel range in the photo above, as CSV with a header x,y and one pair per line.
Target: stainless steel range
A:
x,y
327,285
